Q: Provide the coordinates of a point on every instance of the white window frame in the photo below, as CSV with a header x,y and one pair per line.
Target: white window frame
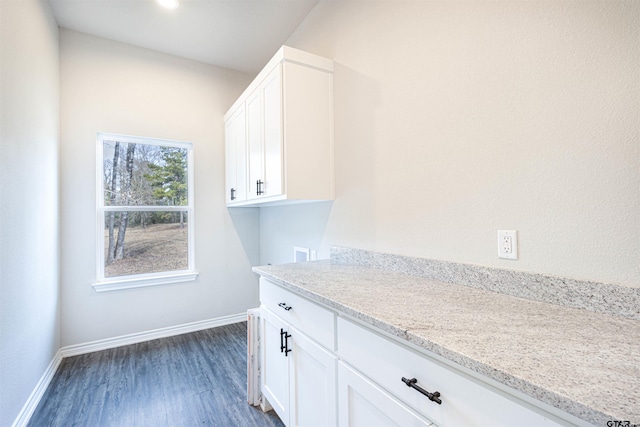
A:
x,y
104,284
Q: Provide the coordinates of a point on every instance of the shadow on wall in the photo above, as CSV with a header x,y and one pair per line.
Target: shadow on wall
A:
x,y
349,220
283,227
356,99
246,232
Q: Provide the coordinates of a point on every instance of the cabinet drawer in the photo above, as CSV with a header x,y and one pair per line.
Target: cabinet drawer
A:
x,y
306,316
363,404
465,401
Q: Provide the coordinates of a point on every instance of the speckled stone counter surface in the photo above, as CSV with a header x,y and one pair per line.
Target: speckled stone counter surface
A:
x,y
582,362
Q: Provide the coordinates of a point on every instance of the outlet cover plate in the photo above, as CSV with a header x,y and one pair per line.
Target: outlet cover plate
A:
x,y
508,244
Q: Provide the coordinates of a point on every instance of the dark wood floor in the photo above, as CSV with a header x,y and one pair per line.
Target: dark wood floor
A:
x,y
196,379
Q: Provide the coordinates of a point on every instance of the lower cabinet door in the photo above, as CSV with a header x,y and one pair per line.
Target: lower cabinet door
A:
x,y
362,403
275,364
313,383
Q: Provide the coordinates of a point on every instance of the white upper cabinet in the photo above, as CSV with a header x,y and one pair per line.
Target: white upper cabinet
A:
x,y
288,133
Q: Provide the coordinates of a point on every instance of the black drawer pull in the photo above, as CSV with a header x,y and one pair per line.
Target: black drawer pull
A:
x,y
285,306
434,397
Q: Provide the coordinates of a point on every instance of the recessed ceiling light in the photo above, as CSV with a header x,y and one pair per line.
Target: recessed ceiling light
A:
x,y
168,4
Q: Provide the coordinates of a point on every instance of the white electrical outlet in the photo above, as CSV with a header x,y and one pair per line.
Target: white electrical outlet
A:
x,y
508,244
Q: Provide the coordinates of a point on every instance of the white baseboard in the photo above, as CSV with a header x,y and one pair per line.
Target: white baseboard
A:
x,y
90,347
34,399
73,350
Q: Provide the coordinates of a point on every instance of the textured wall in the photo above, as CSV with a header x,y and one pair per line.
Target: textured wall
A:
x,y
29,142
111,87
456,119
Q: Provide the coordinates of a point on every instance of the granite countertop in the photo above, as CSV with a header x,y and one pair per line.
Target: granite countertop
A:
x,y
584,363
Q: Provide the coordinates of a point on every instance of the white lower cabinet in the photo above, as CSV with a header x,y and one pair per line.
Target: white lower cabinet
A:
x,y
463,401
298,375
321,369
275,364
312,392
361,403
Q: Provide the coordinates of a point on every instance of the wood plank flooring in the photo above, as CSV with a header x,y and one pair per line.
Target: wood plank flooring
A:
x,y
196,379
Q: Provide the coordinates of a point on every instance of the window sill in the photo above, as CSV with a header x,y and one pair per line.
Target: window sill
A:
x,y
143,282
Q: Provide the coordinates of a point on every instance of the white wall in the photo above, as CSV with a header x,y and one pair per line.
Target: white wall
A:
x,y
456,119
29,140
108,86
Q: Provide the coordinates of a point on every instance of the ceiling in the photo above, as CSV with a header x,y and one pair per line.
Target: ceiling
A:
x,y
238,34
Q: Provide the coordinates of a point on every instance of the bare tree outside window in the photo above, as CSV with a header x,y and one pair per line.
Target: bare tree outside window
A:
x,y
145,207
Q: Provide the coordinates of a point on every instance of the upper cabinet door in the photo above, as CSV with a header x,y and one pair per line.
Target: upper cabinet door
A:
x,y
235,157
264,132
273,137
255,142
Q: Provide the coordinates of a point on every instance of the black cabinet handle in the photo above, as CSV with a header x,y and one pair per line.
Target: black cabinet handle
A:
x,y
286,344
434,397
285,306
233,194
259,189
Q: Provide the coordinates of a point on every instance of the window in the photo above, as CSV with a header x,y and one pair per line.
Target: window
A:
x,y
145,212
